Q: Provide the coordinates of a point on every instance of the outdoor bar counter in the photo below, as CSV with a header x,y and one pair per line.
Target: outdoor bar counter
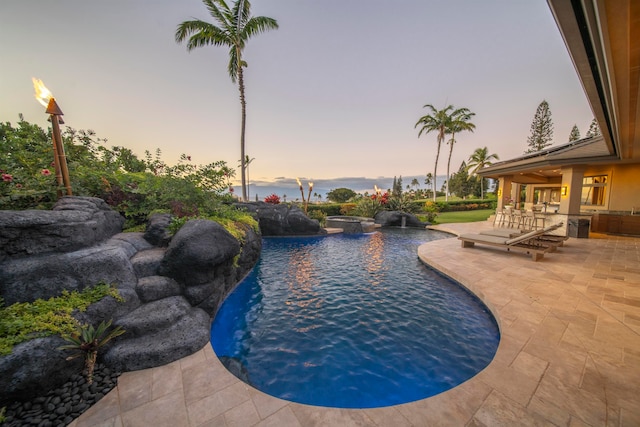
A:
x,y
615,223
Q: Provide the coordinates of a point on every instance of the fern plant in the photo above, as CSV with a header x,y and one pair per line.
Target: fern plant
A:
x,y
87,340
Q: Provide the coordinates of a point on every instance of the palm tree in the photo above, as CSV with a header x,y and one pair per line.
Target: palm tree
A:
x,y
437,121
235,26
478,160
247,162
459,122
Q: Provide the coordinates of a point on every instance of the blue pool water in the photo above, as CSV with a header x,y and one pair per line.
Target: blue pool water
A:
x,y
353,321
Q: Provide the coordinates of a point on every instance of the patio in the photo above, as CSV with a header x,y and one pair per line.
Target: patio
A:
x,y
569,353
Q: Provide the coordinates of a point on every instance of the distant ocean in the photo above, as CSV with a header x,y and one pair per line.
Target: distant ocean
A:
x,y
288,186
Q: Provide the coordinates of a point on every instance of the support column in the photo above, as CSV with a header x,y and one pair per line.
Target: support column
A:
x,y
570,195
504,191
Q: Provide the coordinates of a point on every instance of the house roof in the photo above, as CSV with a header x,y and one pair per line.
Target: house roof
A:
x,y
603,40
547,163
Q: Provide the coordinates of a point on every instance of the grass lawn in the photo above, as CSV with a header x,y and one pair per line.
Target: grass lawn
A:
x,y
464,216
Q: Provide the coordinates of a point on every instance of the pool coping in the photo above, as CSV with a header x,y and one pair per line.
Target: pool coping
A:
x,y
568,353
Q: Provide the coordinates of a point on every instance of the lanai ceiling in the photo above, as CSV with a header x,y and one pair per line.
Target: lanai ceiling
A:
x,y
603,39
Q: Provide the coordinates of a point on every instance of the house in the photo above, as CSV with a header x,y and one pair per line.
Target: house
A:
x,y
593,183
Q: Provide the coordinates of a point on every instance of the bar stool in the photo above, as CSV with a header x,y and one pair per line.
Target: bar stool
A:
x,y
539,220
499,217
528,219
507,216
516,218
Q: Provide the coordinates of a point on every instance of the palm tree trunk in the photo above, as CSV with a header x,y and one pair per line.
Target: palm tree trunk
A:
x,y
243,103
451,141
435,171
482,187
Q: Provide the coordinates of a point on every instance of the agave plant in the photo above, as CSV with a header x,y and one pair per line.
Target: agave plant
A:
x,y
87,340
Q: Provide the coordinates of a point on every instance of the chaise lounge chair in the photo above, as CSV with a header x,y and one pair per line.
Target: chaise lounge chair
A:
x,y
534,243
508,233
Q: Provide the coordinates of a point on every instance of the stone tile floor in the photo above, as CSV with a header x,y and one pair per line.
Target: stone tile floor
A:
x,y
569,353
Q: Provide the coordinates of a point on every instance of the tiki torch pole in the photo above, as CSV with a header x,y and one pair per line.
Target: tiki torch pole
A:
x,y
61,159
306,205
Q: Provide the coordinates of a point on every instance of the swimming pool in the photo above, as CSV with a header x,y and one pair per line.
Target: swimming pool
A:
x,y
352,321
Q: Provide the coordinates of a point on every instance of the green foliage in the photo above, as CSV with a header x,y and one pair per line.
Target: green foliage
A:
x,y
575,134
594,129
2,412
235,221
347,208
134,187
329,209
466,205
541,129
87,340
465,216
368,207
341,195
404,203
431,211
319,215
20,322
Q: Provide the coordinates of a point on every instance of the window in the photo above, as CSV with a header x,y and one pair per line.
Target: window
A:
x,y
593,190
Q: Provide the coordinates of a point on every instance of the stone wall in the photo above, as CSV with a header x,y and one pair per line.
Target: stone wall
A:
x,y
171,286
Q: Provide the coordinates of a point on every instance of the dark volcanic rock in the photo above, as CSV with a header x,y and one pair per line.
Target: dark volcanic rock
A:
x,y
74,223
182,337
35,365
394,219
157,232
282,220
47,275
153,288
196,249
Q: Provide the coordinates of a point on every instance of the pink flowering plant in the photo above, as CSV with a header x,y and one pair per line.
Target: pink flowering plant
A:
x,y
274,199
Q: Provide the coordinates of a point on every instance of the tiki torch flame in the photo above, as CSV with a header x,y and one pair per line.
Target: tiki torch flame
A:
x,y
43,95
299,183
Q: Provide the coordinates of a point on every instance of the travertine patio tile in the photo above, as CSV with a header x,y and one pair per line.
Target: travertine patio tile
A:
x,y
283,418
205,379
510,382
579,403
389,416
508,349
167,411
135,389
530,365
549,411
242,415
107,412
500,410
218,421
214,404
266,405
166,379
454,407
193,359
312,416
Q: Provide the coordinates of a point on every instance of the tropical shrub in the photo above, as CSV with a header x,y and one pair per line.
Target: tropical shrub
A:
x,y
87,340
347,208
403,203
274,199
132,186
368,207
319,215
431,211
23,321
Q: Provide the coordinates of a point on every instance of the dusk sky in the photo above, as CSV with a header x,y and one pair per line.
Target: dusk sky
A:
x,y
334,93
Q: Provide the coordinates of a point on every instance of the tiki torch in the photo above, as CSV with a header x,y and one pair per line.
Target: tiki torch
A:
x,y
308,197
305,202
45,97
